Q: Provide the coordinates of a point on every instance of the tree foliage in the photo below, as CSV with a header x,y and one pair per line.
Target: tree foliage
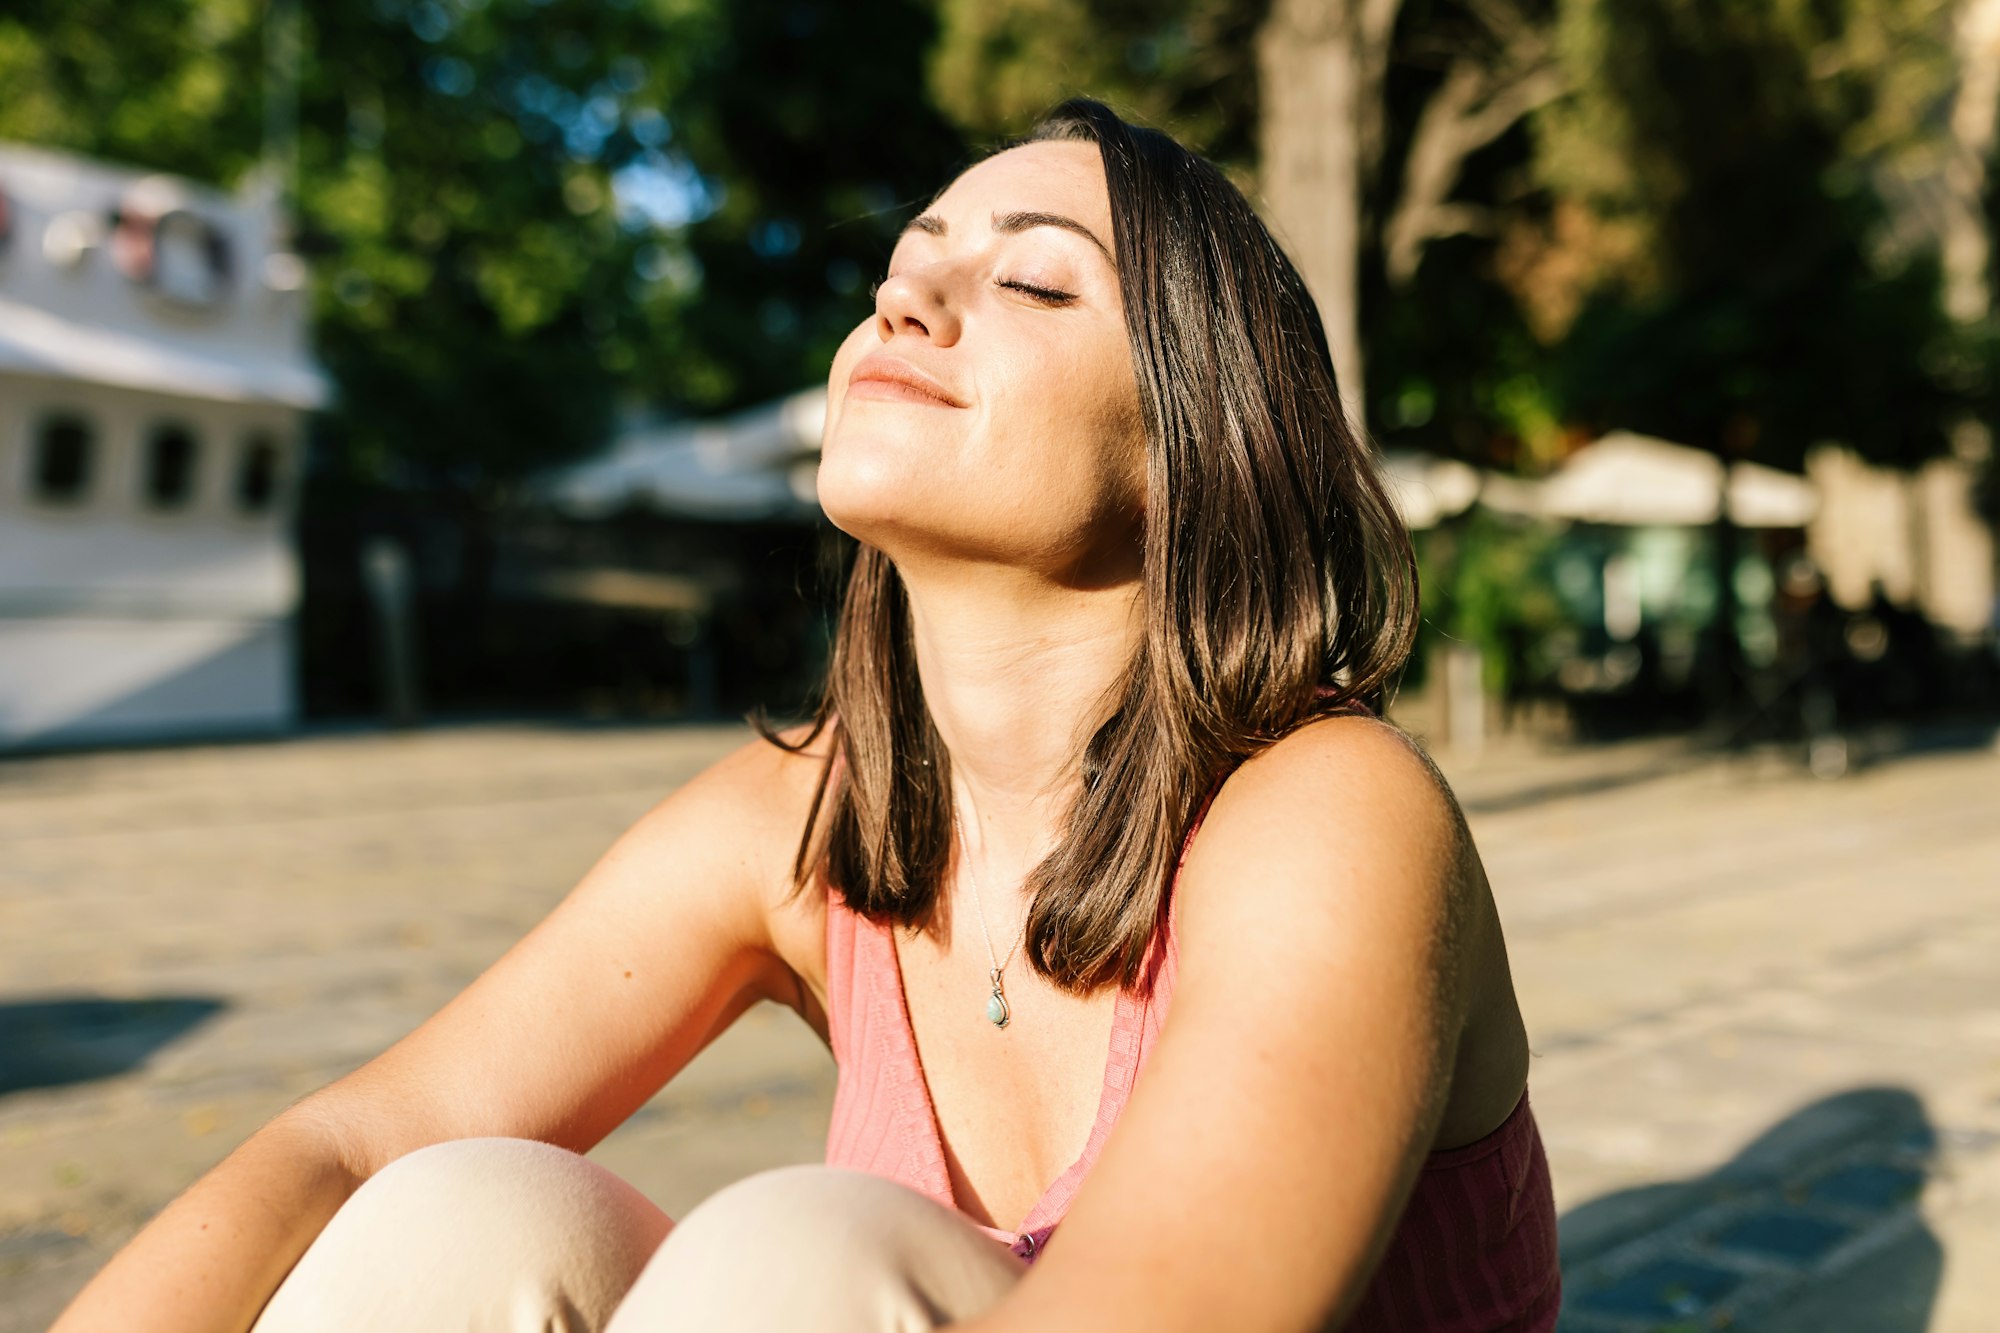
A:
x,y
1744,295
1186,66
522,211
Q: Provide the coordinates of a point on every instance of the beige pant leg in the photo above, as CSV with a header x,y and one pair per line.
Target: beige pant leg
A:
x,y
820,1248
473,1236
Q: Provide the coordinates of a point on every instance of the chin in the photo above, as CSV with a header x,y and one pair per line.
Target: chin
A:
x,y
881,467
909,514
867,491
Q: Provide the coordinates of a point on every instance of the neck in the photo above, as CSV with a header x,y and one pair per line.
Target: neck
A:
x,y
1017,674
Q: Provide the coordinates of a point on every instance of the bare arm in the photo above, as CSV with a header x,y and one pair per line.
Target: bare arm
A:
x,y
214,1255
660,947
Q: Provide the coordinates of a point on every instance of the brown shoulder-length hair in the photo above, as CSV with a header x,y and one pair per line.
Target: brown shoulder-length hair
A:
x,y
1275,567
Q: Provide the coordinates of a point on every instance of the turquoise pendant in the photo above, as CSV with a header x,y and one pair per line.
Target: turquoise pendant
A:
x,y
996,1007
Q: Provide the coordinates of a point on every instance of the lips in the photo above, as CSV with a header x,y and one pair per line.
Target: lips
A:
x,y
879,367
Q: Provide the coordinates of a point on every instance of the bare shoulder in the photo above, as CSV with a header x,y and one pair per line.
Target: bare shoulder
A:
x,y
732,827
757,799
662,944
1346,830
1343,826
1360,780
753,802
1360,746
761,783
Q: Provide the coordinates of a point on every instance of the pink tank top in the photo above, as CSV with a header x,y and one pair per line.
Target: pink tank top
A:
x,y
1473,1252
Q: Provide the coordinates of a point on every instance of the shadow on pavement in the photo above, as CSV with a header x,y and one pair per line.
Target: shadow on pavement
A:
x,y
1810,1227
49,1043
1587,768
1584,784
1888,745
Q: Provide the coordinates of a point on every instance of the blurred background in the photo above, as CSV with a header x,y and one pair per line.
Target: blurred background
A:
x,y
408,422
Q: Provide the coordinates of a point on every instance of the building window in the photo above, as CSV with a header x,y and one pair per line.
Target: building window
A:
x,y
170,457
257,474
60,468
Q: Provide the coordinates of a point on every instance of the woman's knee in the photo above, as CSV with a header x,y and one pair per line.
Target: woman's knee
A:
x,y
843,1249
814,1204
510,1193
481,1233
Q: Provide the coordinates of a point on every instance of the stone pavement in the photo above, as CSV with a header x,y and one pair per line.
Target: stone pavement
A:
x,y
1765,1009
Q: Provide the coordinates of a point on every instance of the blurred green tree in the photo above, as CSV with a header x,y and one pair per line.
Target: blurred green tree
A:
x,y
522,216
522,211
1756,302
1751,294
1437,181
807,120
449,180
1369,132
1186,66
1493,573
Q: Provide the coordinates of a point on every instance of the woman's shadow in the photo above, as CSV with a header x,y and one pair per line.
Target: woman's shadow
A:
x,y
1811,1228
55,1042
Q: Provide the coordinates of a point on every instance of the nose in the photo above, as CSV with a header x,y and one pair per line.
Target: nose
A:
x,y
918,301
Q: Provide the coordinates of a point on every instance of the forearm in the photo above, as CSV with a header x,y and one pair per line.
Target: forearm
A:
x,y
212,1258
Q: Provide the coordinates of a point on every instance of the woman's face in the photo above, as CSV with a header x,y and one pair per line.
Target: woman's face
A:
x,y
1035,455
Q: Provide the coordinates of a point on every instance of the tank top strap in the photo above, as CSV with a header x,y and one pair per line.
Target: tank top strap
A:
x,y
1354,705
843,965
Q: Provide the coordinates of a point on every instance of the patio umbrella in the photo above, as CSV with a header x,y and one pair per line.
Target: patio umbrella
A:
x,y
1636,480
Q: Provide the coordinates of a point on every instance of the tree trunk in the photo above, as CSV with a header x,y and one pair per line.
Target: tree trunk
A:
x,y
1483,96
1321,65
1966,244
1725,658
1964,240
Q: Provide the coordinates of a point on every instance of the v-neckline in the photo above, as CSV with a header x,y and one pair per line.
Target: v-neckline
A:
x,y
1122,1014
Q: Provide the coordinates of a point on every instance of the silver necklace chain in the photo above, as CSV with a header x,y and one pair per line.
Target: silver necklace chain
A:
x,y
998,1012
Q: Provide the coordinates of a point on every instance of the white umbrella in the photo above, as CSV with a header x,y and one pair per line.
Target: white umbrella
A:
x,y
1764,497
746,466
1427,488
1636,480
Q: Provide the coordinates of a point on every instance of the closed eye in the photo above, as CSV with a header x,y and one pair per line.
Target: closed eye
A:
x,y
1045,294
1048,295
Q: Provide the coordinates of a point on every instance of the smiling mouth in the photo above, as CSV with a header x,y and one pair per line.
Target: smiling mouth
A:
x,y
896,390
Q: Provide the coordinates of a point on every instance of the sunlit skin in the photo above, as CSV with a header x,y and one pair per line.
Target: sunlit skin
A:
x,y
1026,328
1014,520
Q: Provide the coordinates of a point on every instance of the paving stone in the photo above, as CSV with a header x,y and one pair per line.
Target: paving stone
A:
x,y
1663,1289
1872,1187
1891,1288
1735,1023
1794,1237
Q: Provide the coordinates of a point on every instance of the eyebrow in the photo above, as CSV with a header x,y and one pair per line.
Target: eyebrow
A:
x,y
1006,223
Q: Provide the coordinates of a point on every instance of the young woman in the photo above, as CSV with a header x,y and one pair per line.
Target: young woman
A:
x,y
1164,983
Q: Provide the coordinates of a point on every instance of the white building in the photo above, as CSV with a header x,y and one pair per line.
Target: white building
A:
x,y
154,377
